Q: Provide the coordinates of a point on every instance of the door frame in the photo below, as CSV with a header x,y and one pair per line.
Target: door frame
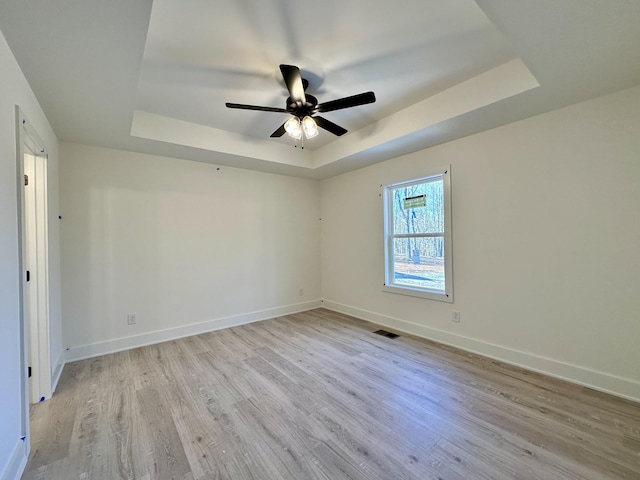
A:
x,y
39,388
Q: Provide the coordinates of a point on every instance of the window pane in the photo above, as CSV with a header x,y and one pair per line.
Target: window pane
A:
x,y
419,208
419,262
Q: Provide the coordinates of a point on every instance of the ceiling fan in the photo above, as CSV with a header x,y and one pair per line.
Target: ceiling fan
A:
x,y
304,107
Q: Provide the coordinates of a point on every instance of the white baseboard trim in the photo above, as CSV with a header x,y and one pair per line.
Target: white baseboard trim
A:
x,y
618,386
17,462
57,371
120,344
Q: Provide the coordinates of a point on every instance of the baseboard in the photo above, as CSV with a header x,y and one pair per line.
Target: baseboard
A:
x,y
17,462
120,344
57,371
603,382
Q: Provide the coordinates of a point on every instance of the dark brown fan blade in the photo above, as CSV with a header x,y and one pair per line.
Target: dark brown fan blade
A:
x,y
346,102
293,80
330,126
279,132
242,106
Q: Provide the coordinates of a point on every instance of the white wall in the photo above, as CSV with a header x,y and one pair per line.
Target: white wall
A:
x,y
546,244
14,90
187,246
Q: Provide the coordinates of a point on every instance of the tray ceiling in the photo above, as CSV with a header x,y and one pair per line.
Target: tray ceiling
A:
x,y
154,76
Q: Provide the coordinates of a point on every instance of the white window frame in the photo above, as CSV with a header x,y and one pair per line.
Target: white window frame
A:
x,y
389,282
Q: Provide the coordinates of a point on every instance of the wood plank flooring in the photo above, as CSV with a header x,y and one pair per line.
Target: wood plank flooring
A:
x,y
317,395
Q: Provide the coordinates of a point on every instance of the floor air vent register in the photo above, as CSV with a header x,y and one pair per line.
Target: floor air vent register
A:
x,y
384,333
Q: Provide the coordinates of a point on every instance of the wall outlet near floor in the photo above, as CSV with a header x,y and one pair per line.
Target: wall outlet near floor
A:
x,y
455,316
301,292
131,319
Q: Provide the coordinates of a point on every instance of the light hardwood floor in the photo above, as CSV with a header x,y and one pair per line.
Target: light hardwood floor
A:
x,y
317,395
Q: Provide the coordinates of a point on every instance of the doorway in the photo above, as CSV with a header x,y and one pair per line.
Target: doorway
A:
x,y
33,231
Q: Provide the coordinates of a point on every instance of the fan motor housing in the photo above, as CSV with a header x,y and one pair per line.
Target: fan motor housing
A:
x,y
302,111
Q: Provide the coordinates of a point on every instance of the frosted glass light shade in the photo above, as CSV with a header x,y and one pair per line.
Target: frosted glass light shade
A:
x,y
293,128
309,126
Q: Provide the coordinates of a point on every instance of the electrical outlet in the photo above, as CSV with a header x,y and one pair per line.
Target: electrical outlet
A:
x,y
301,292
131,319
455,316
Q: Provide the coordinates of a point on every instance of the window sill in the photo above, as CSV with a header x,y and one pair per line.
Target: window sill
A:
x,y
420,293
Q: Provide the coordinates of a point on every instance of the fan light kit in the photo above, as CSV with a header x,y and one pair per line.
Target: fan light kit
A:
x,y
295,127
304,107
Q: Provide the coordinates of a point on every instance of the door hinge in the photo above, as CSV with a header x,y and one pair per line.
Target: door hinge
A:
x,y
29,372
26,180
28,275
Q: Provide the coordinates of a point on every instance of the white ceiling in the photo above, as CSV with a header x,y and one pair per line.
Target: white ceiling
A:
x,y
153,76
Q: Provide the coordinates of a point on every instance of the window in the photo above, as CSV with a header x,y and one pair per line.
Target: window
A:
x,y
417,232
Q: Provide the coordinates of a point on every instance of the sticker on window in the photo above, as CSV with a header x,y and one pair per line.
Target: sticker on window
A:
x,y
415,202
